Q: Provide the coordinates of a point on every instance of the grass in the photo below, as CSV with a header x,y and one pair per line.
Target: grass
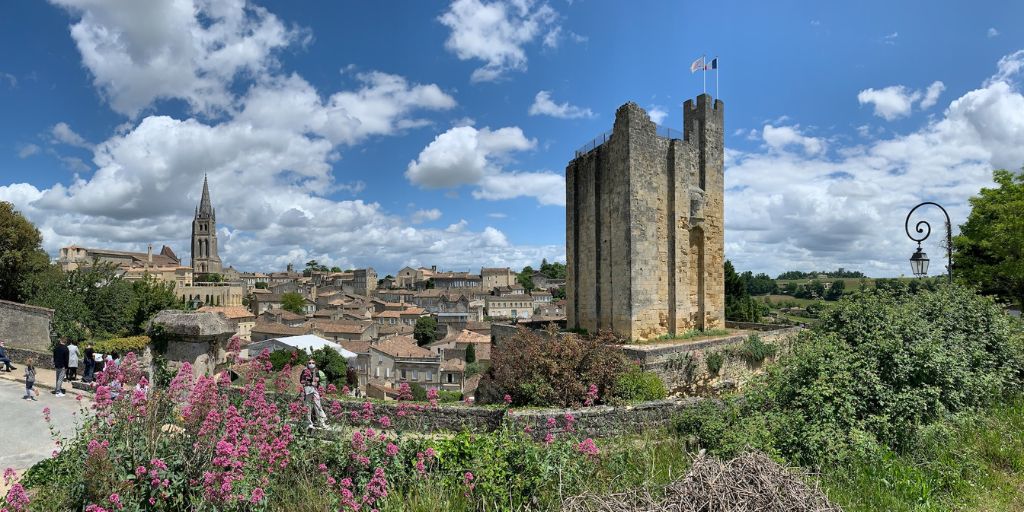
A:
x,y
694,334
968,462
647,461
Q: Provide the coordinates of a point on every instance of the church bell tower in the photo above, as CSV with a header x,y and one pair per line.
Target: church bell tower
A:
x,y
205,259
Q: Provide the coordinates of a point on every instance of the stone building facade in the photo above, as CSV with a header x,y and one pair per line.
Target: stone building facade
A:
x,y
645,226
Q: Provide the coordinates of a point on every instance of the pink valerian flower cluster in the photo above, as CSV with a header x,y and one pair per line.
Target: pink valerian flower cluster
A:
x,y
591,398
251,437
588,447
507,399
17,499
421,460
467,480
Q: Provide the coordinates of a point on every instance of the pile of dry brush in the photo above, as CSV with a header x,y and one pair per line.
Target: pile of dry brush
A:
x,y
750,482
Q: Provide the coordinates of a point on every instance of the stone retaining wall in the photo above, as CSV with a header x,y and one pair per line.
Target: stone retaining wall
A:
x,y
25,327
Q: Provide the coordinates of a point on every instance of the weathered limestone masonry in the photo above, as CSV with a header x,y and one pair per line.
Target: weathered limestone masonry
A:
x,y
25,327
683,365
645,227
197,338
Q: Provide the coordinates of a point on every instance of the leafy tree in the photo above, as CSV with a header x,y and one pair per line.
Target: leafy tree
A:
x,y
739,305
334,366
261,285
425,331
209,278
989,251
21,253
313,266
151,297
294,302
471,353
554,270
525,278
335,269
835,292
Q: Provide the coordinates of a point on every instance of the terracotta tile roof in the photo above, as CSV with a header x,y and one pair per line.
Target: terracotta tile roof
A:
x,y
495,271
413,311
385,330
339,326
453,365
283,314
359,347
402,346
231,312
467,336
264,327
388,314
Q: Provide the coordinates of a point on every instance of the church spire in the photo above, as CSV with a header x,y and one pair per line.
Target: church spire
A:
x,y
205,208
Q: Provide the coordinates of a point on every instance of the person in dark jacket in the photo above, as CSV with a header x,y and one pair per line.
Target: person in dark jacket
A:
x,y
5,359
90,363
60,364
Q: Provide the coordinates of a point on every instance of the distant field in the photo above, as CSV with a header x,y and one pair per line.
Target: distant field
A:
x,y
849,282
776,299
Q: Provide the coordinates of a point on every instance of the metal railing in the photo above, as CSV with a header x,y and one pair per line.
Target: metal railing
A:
x,y
661,131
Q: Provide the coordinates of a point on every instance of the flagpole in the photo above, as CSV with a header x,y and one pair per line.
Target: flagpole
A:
x,y
704,67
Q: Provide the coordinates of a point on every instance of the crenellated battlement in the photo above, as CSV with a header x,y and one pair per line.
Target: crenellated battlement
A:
x,y
703,110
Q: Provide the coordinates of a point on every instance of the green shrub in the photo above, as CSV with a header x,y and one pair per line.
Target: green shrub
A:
x,y
754,350
122,345
449,396
333,364
880,365
639,386
279,358
419,393
714,362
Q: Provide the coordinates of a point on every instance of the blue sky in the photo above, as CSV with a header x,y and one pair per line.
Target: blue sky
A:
x,y
387,134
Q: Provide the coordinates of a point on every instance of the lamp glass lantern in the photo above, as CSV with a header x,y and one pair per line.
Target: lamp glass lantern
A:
x,y
919,262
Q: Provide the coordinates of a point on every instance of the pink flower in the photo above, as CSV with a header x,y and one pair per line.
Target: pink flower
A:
x,y
115,500
569,421
257,495
429,453
391,450
588,447
508,399
549,438
591,395
385,421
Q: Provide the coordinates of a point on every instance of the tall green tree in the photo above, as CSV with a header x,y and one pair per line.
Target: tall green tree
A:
x,y
425,331
739,305
21,253
293,302
525,278
989,251
471,353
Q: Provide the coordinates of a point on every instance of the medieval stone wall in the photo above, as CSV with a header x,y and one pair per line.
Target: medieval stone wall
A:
x,y
645,227
25,327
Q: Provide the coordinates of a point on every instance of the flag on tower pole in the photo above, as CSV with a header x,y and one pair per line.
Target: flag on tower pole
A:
x,y
698,65
713,65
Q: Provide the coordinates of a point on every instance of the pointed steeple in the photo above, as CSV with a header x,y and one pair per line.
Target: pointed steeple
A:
x,y
205,208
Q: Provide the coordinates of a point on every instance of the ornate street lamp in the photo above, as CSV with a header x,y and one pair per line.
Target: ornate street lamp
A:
x,y
919,261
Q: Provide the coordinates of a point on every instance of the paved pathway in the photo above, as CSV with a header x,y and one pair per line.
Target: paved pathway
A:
x,y
23,432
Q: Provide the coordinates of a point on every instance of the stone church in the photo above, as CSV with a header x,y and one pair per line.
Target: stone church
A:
x,y
645,226
204,236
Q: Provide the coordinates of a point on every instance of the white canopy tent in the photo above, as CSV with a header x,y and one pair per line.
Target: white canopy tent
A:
x,y
307,343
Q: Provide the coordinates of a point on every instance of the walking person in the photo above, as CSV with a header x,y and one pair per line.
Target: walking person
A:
x,y
310,381
72,361
5,358
30,381
90,364
60,365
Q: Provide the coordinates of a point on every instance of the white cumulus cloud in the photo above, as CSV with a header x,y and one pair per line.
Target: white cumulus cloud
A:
x,y
897,101
496,32
543,105
780,137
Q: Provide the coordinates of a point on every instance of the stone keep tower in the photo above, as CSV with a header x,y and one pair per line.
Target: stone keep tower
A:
x,y
645,226
204,236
